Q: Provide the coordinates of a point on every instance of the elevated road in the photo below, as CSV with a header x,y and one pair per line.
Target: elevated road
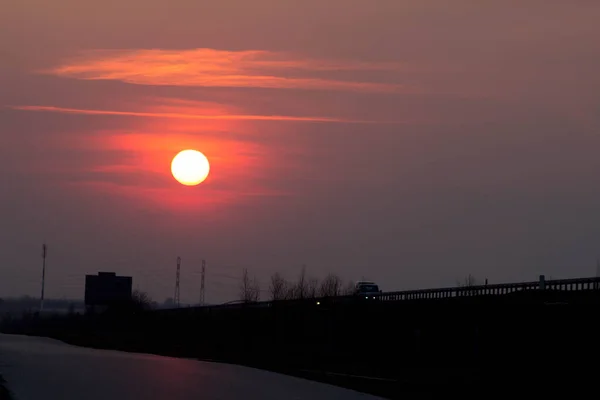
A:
x,y
581,285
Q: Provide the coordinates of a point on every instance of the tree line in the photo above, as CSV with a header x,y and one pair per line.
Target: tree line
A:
x,y
304,287
279,288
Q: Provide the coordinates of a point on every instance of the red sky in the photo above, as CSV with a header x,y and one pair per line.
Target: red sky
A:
x,y
411,142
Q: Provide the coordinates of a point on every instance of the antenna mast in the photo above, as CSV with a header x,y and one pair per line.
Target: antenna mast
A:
x,y
176,296
202,282
44,253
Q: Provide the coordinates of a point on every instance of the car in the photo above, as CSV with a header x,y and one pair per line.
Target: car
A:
x,y
367,289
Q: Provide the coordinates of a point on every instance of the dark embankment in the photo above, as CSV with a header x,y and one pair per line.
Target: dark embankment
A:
x,y
532,342
4,392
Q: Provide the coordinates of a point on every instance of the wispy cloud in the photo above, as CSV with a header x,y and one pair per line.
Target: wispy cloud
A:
x,y
221,68
179,115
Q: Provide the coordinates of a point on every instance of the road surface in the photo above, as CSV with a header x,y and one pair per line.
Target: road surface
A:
x,y
39,368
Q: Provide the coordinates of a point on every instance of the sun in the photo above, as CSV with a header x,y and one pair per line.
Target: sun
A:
x,y
190,167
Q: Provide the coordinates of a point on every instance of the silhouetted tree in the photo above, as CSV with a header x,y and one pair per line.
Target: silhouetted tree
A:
x,y
301,287
468,281
141,300
331,286
312,288
245,287
290,292
249,288
256,289
278,288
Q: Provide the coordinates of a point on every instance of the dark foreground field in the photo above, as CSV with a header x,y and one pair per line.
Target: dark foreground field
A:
x,y
516,344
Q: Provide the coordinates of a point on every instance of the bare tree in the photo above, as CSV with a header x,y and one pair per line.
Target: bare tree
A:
x,y
290,292
468,281
255,289
141,300
278,288
312,288
331,286
246,287
249,288
301,288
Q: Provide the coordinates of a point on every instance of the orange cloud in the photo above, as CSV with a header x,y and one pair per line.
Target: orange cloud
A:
x,y
220,68
180,115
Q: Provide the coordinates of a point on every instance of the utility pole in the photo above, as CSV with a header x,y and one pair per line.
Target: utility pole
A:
x,y
176,296
44,253
202,282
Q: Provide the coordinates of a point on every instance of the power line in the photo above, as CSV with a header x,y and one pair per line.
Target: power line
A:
x,y
219,274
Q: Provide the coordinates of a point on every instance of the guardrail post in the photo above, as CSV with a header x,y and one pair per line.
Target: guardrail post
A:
x,y
542,282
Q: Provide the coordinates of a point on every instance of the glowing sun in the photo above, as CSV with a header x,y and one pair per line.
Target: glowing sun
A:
x,y
190,167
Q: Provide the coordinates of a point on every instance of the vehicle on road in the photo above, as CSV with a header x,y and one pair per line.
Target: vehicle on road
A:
x,y
367,289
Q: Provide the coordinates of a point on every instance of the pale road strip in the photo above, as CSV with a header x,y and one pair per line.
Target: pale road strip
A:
x,y
41,368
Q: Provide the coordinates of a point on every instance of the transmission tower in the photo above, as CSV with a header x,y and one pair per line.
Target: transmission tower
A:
x,y
44,253
176,296
202,282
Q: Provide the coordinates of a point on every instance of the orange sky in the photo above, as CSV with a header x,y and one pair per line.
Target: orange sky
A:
x,y
411,142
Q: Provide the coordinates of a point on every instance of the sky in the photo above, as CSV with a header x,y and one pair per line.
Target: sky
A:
x,y
410,142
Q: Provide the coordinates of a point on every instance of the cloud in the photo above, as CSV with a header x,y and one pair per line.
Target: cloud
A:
x,y
221,68
180,115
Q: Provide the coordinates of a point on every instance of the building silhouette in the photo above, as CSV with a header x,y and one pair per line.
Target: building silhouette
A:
x,y
106,289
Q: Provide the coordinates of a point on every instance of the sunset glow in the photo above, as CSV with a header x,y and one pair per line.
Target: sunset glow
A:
x,y
190,167
406,140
